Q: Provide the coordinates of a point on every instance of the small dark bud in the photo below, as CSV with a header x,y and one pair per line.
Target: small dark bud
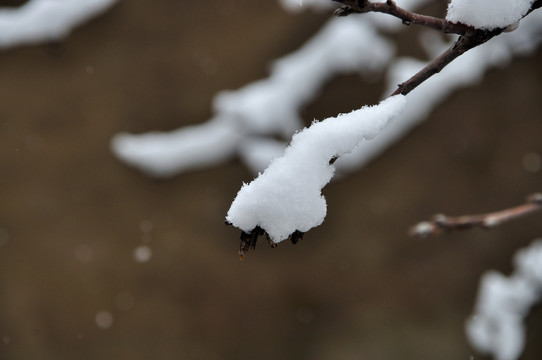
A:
x,y
296,236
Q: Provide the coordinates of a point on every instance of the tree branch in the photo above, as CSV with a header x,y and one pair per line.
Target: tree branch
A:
x,y
461,46
470,37
441,223
408,17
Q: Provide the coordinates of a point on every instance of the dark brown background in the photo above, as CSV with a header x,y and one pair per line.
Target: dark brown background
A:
x,y
355,288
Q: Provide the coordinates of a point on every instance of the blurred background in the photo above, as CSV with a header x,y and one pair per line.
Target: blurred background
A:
x,y
100,261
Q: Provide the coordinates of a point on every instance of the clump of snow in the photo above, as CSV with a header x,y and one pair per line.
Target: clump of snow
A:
x,y
424,228
529,262
503,302
488,14
287,196
46,20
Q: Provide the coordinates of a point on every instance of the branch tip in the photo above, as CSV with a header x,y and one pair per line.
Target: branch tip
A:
x,y
249,239
440,222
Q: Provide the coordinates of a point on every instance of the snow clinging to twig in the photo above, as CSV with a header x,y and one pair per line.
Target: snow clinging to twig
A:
x,y
488,14
287,196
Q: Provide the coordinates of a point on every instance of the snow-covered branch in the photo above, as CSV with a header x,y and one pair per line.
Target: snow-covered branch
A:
x,y
490,14
496,327
286,198
46,20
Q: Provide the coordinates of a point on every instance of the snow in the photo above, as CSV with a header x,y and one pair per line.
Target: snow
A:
x,y
488,14
164,154
529,262
503,302
46,20
287,196
423,228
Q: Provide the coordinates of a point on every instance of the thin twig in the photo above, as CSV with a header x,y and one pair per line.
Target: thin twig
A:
x,y
408,17
441,223
461,46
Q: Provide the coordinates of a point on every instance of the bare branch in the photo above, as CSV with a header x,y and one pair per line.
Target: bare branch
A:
x,y
408,17
470,37
462,45
441,223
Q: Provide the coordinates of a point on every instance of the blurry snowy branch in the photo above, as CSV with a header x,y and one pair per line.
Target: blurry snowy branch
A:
x,y
246,120
496,327
441,222
46,20
286,199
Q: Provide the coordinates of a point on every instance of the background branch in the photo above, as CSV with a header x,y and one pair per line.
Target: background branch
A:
x,y
441,222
